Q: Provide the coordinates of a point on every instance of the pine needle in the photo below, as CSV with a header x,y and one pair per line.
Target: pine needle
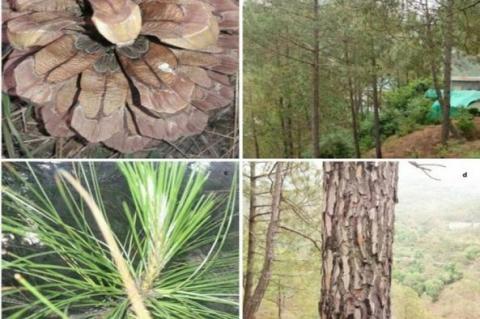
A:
x,y
39,295
136,299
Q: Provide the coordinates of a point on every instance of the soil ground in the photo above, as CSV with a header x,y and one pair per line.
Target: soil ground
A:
x,y
425,143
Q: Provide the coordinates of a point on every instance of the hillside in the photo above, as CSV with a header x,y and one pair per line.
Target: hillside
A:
x,y
436,266
425,143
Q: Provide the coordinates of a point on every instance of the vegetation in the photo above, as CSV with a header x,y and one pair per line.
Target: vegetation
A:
x,y
338,78
151,242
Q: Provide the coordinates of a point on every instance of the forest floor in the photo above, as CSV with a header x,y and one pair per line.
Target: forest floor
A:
x,y
425,143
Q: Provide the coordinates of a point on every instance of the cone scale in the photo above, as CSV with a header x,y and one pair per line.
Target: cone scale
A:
x,y
120,22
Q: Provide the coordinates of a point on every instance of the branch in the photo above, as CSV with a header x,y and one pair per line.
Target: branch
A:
x,y
304,236
424,168
133,294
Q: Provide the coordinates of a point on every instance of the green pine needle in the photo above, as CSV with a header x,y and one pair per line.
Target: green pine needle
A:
x,y
174,246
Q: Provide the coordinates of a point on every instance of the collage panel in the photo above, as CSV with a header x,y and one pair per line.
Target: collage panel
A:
x,y
240,159
120,240
120,79
388,239
361,79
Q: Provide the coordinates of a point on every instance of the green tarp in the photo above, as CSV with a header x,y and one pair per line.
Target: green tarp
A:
x,y
458,100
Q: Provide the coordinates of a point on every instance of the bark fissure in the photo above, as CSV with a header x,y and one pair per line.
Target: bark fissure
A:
x,y
357,239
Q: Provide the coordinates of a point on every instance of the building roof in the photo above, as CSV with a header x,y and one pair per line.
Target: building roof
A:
x,y
466,78
465,68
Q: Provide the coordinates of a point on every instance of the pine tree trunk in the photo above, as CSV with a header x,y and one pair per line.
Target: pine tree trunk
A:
x,y
280,301
447,71
251,237
376,108
254,133
357,239
289,123
282,113
316,83
353,108
429,38
253,303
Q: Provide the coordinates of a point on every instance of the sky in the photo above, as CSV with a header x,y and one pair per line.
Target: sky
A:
x,y
453,190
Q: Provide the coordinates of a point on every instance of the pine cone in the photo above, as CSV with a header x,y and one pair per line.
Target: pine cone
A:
x,y
122,72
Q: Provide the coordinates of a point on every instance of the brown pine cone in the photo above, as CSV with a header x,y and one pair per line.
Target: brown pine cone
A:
x,y
122,72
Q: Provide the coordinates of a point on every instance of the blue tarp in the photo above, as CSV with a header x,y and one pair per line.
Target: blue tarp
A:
x,y
458,100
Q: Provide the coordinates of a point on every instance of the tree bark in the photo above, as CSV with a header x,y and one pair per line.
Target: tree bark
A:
x,y
316,83
252,304
357,239
251,237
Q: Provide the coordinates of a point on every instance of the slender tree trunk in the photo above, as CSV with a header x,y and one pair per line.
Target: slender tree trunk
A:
x,y
357,239
280,300
443,99
353,109
316,83
252,304
282,114
289,126
447,71
359,100
432,52
289,113
251,237
299,149
376,109
254,132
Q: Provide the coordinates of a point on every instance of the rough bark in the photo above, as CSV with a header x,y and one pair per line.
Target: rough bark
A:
x,y
357,239
251,238
253,303
316,83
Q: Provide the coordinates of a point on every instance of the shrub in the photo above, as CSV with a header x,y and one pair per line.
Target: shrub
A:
x,y
418,109
433,288
472,252
404,110
415,281
406,126
399,99
398,276
450,274
416,266
337,145
465,124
